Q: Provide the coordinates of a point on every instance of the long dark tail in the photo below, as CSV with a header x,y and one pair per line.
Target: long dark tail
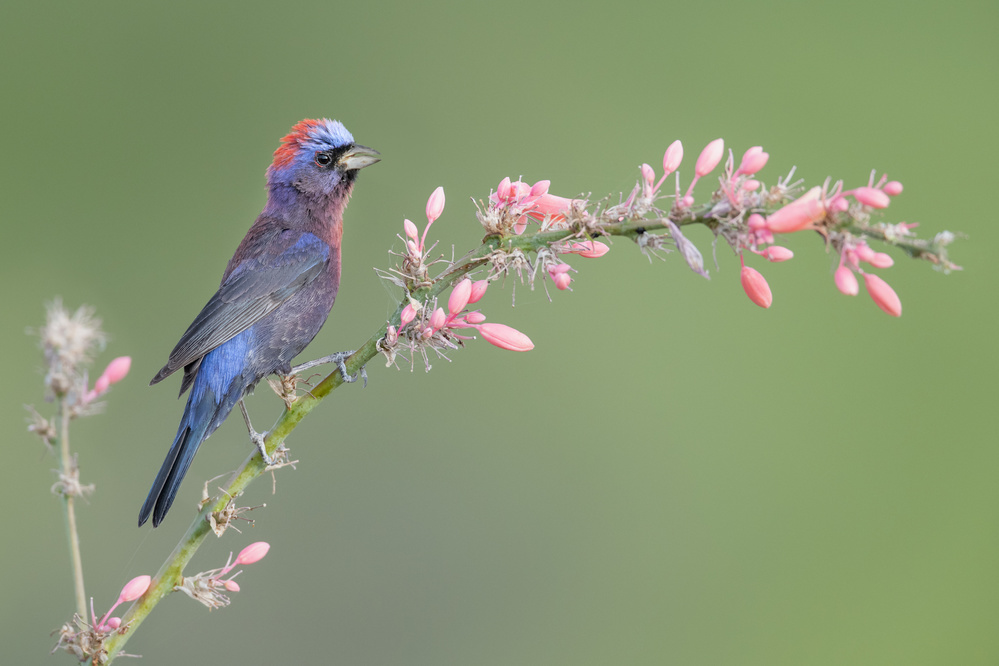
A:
x,y
203,414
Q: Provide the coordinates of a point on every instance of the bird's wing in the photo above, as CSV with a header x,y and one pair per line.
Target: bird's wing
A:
x,y
254,289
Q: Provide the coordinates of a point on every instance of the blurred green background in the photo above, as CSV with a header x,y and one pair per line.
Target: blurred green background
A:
x,y
672,476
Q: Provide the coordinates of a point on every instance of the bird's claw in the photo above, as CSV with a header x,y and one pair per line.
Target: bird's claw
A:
x,y
258,439
339,358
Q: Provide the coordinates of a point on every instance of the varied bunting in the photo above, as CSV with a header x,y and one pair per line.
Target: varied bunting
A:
x,y
276,293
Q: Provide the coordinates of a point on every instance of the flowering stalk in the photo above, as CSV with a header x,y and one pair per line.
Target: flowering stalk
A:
x,y
528,233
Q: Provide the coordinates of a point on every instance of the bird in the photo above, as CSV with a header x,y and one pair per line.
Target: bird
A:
x,y
276,293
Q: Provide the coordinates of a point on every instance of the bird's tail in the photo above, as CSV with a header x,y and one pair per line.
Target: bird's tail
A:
x,y
202,415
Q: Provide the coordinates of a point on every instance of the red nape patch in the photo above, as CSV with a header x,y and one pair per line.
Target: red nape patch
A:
x,y
291,143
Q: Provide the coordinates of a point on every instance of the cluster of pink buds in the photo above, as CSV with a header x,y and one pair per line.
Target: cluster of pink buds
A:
x,y
829,211
415,259
133,589
207,587
86,641
423,327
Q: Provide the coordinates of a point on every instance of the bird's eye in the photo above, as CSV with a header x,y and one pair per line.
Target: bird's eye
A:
x,y
324,159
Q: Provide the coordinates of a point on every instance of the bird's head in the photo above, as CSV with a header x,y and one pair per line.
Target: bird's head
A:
x,y
318,158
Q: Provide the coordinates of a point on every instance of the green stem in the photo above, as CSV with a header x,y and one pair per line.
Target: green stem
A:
x,y
69,471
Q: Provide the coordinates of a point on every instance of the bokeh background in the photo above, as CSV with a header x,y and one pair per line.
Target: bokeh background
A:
x,y
672,476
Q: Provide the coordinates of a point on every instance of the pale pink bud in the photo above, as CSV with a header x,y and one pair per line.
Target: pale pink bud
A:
x,y
873,197
562,281
883,295
551,204
709,158
475,317
437,319
755,222
252,553
134,589
796,216
557,269
231,585
846,281
408,314
413,247
505,337
776,253
118,369
540,187
435,204
751,185
391,336
756,287
839,205
113,623
588,249
427,333
648,175
411,230
893,188
478,291
520,225
687,201
753,160
673,157
459,296
503,190
882,260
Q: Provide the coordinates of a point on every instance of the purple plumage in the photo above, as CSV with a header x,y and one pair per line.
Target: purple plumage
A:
x,y
276,292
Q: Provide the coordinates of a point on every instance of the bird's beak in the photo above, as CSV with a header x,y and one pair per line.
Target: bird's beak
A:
x,y
359,157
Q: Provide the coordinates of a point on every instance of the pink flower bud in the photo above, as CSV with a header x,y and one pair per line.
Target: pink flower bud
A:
x,y
839,205
435,204
459,296
687,201
846,281
520,225
478,291
113,623
134,589
550,204
540,187
893,188
751,185
427,333
413,247
776,253
505,337
562,281
118,369
881,260
587,249
411,230
503,190
475,317
437,319
648,175
391,336
709,157
753,160
756,287
100,386
873,197
673,157
755,222
408,314
883,295
797,215
231,585
558,269
252,553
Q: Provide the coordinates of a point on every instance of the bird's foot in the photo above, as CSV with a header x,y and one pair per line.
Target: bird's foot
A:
x,y
258,439
338,358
